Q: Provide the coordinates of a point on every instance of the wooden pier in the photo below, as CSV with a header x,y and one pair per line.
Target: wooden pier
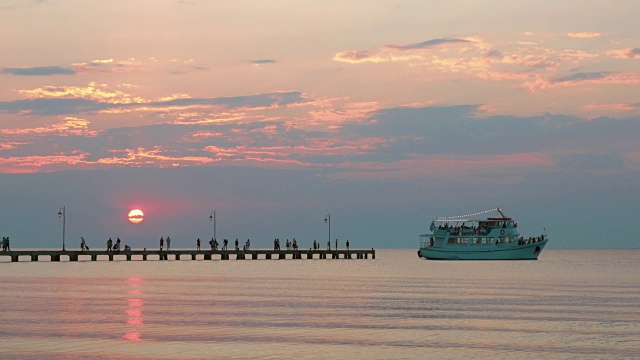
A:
x,y
144,255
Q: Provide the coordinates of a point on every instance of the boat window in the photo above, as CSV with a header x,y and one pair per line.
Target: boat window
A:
x,y
458,240
481,240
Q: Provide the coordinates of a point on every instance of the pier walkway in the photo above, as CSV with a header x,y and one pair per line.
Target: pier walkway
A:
x,y
144,255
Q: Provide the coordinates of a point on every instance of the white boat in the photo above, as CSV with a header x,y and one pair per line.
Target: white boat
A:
x,y
479,237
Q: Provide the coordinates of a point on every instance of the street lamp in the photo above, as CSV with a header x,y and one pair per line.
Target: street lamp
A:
x,y
327,220
212,217
61,213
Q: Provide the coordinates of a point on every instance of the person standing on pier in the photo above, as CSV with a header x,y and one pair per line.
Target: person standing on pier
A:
x,y
329,245
109,244
197,243
347,244
168,243
336,244
161,242
237,248
83,244
248,244
226,242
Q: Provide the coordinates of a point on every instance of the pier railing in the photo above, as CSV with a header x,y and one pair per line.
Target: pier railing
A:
x,y
144,255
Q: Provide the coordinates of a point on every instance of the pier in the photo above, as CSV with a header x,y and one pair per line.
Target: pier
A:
x,y
144,255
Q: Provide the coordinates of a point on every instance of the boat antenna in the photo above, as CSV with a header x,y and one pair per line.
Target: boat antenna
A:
x,y
500,211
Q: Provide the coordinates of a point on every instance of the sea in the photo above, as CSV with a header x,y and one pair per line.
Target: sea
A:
x,y
569,304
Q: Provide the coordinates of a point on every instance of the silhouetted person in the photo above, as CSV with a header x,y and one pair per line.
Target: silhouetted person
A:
x,y
347,244
109,244
197,243
161,243
168,243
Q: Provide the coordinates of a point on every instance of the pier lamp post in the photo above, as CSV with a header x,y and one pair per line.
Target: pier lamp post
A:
x,y
212,217
327,220
61,214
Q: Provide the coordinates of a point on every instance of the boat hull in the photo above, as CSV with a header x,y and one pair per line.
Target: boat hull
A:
x,y
495,252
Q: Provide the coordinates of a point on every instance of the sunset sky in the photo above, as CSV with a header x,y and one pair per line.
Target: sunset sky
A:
x,y
274,114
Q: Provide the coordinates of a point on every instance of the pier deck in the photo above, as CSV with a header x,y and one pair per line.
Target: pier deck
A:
x,y
144,255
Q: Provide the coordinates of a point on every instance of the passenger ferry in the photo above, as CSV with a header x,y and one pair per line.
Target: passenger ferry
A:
x,y
475,237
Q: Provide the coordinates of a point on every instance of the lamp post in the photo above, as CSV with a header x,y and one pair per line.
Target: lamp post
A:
x,y
212,217
327,220
61,213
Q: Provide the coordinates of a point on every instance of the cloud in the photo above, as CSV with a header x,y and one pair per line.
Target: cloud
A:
x,y
631,53
599,77
583,35
391,52
70,126
361,56
39,71
48,107
71,106
93,91
262,61
382,143
427,44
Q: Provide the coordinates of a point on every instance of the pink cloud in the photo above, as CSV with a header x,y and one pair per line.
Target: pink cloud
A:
x,y
611,107
583,35
597,78
70,126
93,91
630,53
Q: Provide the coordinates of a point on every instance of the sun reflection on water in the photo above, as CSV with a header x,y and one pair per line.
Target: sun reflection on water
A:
x,y
134,309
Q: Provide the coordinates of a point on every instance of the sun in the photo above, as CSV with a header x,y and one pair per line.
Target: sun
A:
x,y
136,216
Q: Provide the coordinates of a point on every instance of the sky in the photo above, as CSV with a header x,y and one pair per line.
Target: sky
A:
x,y
275,114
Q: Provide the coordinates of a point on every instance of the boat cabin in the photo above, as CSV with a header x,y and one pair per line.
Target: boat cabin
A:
x,y
471,232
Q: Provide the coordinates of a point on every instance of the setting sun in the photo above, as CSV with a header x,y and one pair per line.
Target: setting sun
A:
x,y
136,216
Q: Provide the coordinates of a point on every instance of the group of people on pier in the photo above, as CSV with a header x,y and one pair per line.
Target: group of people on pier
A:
x,y
290,245
6,245
110,245
116,246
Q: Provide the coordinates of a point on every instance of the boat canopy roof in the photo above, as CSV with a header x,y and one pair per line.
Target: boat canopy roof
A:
x,y
446,220
473,218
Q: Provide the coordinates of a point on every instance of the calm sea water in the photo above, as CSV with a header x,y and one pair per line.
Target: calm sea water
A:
x,y
570,304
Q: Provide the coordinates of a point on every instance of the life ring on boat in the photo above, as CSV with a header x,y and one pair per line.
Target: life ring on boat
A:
x,y
501,232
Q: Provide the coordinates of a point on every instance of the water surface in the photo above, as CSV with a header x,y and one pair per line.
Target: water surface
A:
x,y
569,304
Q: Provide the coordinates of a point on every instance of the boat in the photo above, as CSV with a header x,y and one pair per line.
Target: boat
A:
x,y
479,237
